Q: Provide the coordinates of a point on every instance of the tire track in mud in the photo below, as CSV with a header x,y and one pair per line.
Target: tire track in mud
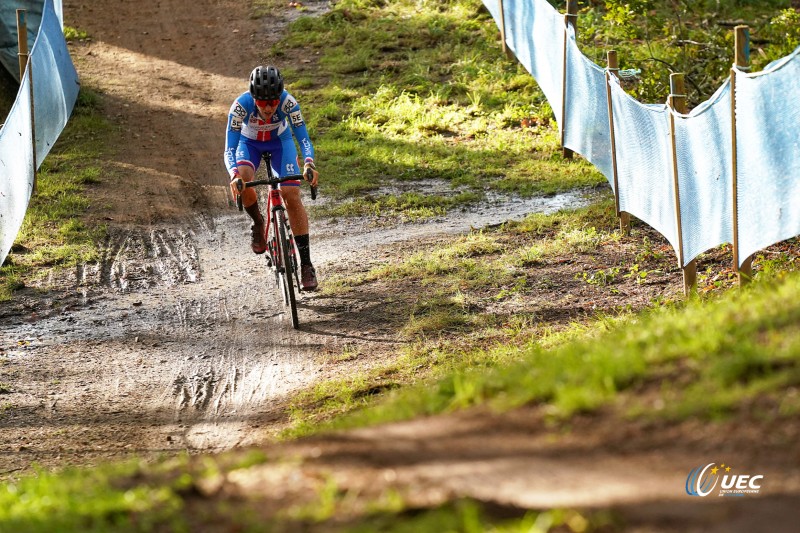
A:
x,y
172,342
136,261
177,339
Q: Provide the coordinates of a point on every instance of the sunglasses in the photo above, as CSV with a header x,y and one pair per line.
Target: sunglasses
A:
x,y
270,103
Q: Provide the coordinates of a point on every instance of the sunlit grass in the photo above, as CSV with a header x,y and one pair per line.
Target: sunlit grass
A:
x,y
482,358
446,106
416,91
738,348
408,205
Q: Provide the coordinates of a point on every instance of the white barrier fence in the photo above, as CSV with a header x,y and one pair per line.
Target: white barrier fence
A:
x,y
47,94
680,173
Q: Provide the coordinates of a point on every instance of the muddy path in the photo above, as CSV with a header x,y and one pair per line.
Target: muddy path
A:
x,y
170,340
177,339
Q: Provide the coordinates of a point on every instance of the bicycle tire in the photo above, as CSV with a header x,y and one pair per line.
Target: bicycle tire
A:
x,y
280,270
288,273
275,256
293,253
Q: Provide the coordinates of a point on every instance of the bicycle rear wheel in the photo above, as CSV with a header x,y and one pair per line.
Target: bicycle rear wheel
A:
x,y
288,269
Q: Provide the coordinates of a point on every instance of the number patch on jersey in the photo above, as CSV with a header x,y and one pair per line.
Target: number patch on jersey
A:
x,y
297,118
238,111
289,104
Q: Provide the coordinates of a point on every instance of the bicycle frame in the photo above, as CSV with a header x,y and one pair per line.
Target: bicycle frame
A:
x,y
282,253
277,213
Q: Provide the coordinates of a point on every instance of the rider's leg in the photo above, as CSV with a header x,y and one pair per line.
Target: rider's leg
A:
x,y
249,196
298,217
247,170
248,158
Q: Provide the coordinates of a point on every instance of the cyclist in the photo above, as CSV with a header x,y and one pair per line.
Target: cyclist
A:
x,y
267,118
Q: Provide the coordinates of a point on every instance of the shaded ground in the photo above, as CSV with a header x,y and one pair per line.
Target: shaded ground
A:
x,y
171,343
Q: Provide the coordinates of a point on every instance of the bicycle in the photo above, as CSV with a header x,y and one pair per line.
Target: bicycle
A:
x,y
281,250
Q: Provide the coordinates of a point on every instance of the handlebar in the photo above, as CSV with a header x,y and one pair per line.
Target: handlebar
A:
x,y
267,157
242,185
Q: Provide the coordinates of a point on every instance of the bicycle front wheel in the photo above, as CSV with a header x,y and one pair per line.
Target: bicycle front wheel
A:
x,y
288,269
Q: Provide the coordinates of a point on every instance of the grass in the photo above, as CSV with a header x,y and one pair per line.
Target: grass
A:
x,y
183,495
458,329
407,206
114,498
493,260
54,233
471,516
405,92
408,91
722,354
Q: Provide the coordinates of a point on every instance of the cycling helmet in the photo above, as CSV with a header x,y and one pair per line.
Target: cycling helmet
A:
x,y
266,83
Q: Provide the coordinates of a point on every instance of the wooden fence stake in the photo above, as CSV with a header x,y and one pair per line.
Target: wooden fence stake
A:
x,y
571,18
677,101
24,59
613,70
742,60
22,42
506,51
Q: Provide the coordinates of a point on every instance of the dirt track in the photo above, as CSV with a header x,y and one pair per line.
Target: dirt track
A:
x,y
167,343
175,339
170,343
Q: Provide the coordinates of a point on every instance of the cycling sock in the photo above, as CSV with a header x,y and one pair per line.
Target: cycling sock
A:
x,y
255,214
304,248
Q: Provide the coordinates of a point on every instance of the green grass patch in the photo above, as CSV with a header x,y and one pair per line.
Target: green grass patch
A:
x,y
74,34
129,496
489,260
182,494
85,500
54,232
728,352
471,516
408,206
445,320
467,355
412,91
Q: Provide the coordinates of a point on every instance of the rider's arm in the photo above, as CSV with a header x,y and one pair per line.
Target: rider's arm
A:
x,y
291,109
236,117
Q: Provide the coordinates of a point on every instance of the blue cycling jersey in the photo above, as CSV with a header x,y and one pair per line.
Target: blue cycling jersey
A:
x,y
246,127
